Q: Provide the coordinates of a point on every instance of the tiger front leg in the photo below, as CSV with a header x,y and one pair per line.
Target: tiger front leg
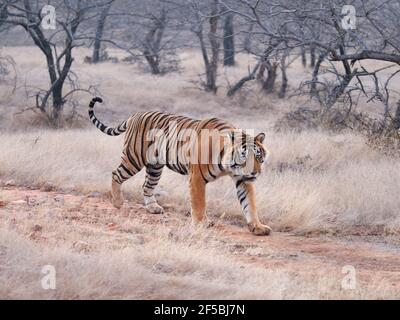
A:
x,y
246,196
117,197
197,195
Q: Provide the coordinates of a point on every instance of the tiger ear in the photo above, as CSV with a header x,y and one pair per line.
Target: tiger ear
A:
x,y
260,137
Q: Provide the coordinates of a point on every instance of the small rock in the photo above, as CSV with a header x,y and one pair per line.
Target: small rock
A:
x,y
94,194
37,228
35,236
19,202
2,203
59,198
161,192
36,201
112,226
10,183
31,201
68,188
48,186
81,246
254,251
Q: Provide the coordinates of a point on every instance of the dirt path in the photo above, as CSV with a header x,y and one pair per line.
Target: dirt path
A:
x,y
53,217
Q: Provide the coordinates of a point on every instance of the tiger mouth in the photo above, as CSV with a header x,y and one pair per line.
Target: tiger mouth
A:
x,y
251,178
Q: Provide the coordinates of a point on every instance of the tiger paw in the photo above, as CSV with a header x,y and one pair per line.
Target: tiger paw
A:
x,y
204,223
117,202
259,229
154,208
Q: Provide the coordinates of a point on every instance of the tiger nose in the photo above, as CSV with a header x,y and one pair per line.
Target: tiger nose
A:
x,y
254,173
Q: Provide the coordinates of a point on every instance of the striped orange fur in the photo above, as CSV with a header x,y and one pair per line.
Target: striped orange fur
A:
x,y
203,149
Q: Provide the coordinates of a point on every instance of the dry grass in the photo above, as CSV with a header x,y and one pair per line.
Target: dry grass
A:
x,y
313,182
191,265
146,271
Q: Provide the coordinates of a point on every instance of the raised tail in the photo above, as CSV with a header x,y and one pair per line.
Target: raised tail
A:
x,y
102,127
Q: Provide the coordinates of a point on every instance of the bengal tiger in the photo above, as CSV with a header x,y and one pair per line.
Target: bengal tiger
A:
x,y
202,159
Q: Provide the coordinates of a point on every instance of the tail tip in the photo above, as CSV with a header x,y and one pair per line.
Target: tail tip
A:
x,y
97,99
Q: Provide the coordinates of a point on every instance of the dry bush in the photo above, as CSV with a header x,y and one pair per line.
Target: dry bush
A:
x,y
8,74
381,133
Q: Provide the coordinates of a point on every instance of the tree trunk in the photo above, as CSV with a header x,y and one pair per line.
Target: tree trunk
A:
x,y
284,84
99,34
313,89
261,71
396,120
269,83
231,92
247,39
211,70
57,105
338,91
312,56
229,44
303,56
153,62
3,13
153,42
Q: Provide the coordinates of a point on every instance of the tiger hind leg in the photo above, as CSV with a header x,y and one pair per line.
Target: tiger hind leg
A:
x,y
153,175
119,176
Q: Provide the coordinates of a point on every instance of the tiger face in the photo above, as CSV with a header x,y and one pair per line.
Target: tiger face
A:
x,y
245,159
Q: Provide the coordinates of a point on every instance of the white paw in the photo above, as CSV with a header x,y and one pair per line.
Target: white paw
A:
x,y
259,229
154,208
118,202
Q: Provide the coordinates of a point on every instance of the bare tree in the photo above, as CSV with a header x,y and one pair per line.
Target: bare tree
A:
x,y
397,116
247,39
149,33
312,55
251,76
56,46
229,40
211,58
101,22
152,42
317,25
284,82
303,56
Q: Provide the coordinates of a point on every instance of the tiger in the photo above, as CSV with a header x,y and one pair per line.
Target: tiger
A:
x,y
236,153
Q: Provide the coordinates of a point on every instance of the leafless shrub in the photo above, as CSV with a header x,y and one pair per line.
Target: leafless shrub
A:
x,y
148,33
380,132
8,74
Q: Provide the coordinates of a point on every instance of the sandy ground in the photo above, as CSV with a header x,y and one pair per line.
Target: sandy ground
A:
x,y
48,218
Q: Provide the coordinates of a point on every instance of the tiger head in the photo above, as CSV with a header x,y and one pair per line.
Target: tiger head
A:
x,y
245,157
